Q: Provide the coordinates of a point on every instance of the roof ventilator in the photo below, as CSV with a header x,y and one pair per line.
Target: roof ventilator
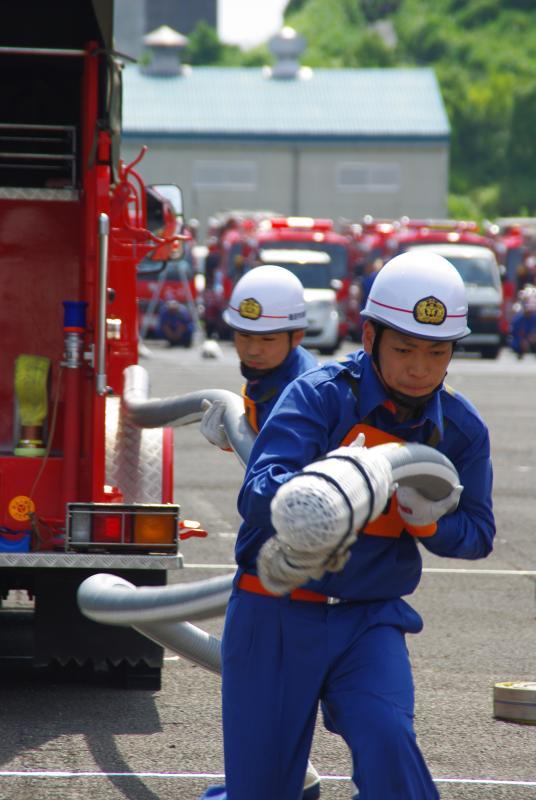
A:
x,y
165,46
287,46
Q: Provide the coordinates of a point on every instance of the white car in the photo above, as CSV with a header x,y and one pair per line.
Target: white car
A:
x,y
313,268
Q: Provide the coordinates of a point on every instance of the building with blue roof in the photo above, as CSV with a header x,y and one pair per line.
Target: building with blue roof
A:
x,y
323,142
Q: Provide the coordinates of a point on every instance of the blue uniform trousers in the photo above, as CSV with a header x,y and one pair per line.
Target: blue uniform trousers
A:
x,y
281,657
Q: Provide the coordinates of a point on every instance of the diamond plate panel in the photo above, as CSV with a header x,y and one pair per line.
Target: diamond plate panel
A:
x,y
16,193
90,561
134,459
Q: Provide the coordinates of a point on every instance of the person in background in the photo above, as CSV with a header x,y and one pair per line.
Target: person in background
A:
x,y
523,324
176,324
304,628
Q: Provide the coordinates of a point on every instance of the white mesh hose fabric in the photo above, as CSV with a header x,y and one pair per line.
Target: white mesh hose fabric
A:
x,y
318,513
311,514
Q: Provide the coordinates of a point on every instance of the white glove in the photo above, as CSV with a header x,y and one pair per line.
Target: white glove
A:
x,y
212,424
359,441
415,509
282,569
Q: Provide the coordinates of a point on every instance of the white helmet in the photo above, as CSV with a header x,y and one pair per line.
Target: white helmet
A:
x,y
267,299
421,294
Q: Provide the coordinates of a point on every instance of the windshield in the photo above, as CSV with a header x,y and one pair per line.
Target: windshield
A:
x,y
337,254
313,268
476,270
149,270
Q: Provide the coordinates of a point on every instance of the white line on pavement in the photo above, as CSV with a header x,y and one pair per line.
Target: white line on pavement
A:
x,y
220,775
531,573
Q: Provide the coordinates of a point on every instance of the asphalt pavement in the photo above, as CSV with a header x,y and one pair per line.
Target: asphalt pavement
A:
x,y
85,739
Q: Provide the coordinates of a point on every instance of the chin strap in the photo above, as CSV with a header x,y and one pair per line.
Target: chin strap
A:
x,y
252,374
406,401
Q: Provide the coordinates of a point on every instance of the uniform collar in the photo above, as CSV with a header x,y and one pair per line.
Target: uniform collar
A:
x,y
373,396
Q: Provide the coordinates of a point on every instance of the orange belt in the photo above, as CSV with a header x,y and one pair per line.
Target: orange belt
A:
x,y
252,583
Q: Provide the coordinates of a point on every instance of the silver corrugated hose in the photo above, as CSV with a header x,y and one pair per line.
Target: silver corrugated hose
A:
x,y
161,613
154,412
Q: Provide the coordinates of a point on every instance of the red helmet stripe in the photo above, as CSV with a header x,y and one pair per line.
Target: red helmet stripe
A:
x,y
409,310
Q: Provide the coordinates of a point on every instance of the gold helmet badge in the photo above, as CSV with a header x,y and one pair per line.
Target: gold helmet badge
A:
x,y
250,308
430,311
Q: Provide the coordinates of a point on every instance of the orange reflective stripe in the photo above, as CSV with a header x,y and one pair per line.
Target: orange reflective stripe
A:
x,y
373,436
422,531
250,410
389,524
252,583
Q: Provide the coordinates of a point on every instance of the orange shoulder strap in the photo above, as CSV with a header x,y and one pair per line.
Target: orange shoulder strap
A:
x,y
388,524
250,410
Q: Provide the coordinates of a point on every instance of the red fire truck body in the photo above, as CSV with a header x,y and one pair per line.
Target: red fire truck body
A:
x,y
322,258
75,493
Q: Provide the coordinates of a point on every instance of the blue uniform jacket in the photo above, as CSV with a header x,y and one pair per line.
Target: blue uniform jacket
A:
x,y
312,417
265,391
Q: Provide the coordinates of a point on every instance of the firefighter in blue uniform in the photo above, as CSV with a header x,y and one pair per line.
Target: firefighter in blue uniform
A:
x,y
339,639
268,317
267,314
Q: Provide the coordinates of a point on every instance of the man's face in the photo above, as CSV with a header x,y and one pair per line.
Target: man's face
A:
x,y
265,350
409,365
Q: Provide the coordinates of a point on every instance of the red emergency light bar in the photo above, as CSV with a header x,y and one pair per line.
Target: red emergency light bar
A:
x,y
301,223
372,225
440,224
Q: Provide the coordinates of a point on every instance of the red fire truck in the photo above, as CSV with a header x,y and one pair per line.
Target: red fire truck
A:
x,y
81,490
320,256
474,257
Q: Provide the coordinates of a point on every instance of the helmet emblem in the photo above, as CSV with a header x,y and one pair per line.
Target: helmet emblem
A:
x,y
430,311
250,308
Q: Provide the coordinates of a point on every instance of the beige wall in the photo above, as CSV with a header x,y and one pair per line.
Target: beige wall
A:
x,y
308,180
420,190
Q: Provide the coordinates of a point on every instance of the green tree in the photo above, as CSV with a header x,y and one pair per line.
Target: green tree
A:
x,y
204,47
373,52
479,114
518,188
379,9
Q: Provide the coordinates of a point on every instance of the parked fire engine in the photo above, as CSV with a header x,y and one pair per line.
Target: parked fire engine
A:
x,y
373,242
515,241
312,249
515,245
474,256
81,489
